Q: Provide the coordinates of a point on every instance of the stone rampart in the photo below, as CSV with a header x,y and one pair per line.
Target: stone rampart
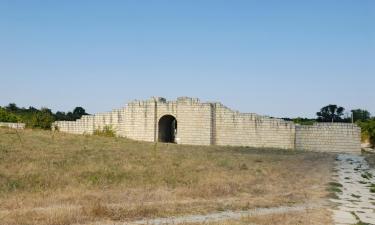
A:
x,y
249,129
207,123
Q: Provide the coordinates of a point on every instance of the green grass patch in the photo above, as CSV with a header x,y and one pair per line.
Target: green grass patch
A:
x,y
366,175
335,184
355,196
334,188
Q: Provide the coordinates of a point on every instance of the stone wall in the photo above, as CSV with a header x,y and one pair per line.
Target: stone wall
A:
x,y
139,121
329,137
214,124
89,123
13,125
248,129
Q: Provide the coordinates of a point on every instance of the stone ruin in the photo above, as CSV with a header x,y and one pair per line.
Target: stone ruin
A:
x,y
189,121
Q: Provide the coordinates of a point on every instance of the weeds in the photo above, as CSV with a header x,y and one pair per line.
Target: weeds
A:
x,y
372,188
366,175
355,196
106,131
334,188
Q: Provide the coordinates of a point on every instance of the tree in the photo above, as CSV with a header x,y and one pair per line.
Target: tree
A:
x,y
60,116
37,118
360,115
31,109
12,107
70,116
78,112
330,113
6,116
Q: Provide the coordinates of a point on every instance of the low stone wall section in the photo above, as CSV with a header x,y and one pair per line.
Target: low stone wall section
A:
x,y
13,125
329,137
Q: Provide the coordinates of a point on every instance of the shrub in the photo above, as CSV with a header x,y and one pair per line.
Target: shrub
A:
x,y
366,175
42,119
368,130
6,116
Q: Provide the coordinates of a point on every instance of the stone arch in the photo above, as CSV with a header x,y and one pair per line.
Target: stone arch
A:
x,y
167,129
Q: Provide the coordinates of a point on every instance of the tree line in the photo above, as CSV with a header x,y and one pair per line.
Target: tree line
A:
x,y
37,118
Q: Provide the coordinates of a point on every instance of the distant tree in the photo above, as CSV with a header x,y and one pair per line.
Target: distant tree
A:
x,y
70,116
37,118
46,110
12,107
60,116
6,116
330,113
361,115
32,109
78,112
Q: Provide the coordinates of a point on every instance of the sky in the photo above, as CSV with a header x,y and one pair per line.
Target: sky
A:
x,y
277,58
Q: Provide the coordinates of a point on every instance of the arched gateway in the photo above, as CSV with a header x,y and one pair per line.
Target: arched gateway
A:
x,y
167,129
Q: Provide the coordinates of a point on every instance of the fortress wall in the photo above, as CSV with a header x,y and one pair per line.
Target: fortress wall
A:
x,y
89,123
117,121
139,121
329,137
214,124
194,122
13,125
248,129
117,118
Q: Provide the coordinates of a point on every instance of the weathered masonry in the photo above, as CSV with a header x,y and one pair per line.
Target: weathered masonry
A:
x,y
13,125
188,121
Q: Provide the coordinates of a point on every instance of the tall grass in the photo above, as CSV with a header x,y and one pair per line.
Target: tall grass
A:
x,y
106,131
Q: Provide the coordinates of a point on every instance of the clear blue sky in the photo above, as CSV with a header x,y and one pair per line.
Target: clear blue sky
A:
x,y
279,58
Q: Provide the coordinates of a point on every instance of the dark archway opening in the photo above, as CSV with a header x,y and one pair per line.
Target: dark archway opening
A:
x,y
167,129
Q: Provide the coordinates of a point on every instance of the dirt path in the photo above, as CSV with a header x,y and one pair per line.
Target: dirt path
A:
x,y
355,203
219,216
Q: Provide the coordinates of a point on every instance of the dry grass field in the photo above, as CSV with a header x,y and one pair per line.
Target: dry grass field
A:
x,y
60,179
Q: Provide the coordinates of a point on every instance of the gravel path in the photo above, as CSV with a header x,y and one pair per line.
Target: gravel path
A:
x,y
355,203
